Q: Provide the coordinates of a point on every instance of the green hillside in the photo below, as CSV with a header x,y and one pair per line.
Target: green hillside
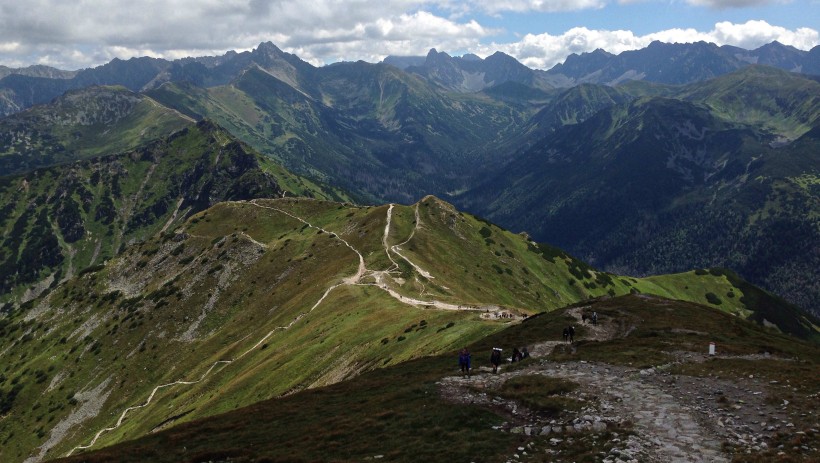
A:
x,y
60,220
257,299
81,124
690,167
700,177
775,102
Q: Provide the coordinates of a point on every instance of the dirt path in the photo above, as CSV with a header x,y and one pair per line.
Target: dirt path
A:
x,y
598,332
396,249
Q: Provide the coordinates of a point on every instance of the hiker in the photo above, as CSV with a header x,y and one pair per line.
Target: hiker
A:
x,y
571,330
464,362
524,353
594,318
566,334
516,355
584,318
495,358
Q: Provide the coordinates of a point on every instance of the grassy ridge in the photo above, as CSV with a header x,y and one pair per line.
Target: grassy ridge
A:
x,y
139,323
82,124
60,220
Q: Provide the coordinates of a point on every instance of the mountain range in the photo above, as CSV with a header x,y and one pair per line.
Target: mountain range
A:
x,y
659,62
468,129
667,63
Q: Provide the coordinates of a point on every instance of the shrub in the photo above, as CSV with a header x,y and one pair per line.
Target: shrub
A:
x,y
713,299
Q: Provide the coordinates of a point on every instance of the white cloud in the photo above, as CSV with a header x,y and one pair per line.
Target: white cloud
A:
x,y
9,47
90,32
83,33
722,4
544,51
545,6
753,34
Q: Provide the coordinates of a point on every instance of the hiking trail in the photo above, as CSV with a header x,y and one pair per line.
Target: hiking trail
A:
x,y
356,279
654,416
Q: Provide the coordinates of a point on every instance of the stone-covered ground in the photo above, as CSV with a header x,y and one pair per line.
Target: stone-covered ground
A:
x,y
642,415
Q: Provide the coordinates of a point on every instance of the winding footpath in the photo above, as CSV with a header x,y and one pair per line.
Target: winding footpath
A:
x,y
379,277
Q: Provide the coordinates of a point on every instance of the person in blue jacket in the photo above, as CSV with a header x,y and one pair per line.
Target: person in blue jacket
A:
x,y
464,362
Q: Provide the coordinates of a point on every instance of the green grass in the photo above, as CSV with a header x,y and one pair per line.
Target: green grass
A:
x,y
395,413
230,280
91,122
696,286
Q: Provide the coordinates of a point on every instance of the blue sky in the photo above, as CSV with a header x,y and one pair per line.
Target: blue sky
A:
x,y
540,33
646,17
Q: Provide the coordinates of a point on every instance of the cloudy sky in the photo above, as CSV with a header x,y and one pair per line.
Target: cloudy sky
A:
x,y
540,33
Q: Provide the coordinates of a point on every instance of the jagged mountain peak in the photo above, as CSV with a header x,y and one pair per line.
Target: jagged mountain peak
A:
x,y
501,57
435,57
268,47
470,73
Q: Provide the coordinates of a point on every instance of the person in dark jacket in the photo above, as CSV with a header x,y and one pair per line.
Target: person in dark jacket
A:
x,y
464,362
516,355
495,358
566,334
571,330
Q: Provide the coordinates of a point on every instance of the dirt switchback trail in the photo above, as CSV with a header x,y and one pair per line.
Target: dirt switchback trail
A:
x,y
356,279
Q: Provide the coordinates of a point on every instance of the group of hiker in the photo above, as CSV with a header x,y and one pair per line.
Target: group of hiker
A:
x,y
569,331
496,358
465,358
593,318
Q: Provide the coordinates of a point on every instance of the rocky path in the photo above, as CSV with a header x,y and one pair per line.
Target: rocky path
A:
x,y
657,426
599,332
652,424
636,415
